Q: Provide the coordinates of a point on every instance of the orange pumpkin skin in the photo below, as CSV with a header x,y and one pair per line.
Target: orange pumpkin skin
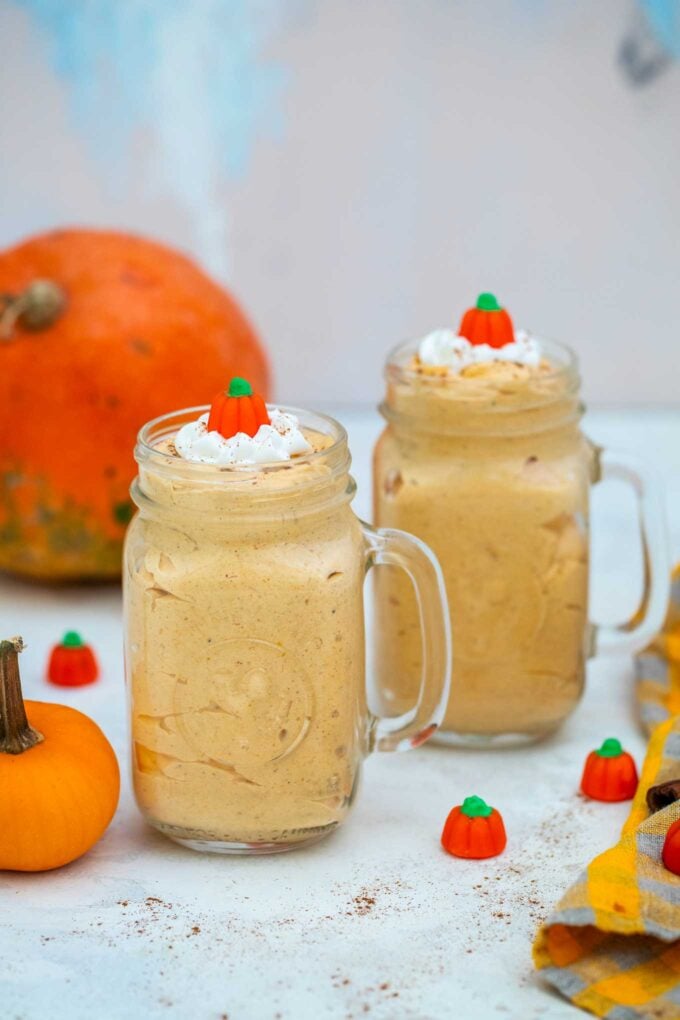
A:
x,y
144,332
57,798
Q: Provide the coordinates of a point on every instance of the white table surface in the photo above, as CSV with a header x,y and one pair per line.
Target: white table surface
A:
x,y
376,921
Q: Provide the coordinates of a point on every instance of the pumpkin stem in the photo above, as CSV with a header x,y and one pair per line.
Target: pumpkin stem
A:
x,y
239,387
611,748
16,734
35,308
72,639
475,807
488,302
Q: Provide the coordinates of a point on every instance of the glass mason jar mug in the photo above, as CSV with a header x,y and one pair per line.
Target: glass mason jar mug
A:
x,y
493,472
245,654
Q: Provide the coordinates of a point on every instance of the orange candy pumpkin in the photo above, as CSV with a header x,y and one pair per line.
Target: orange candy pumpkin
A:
x,y
72,663
99,332
473,829
609,773
59,778
237,409
487,323
670,854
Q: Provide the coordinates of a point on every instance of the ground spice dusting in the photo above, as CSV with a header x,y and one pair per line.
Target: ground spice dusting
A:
x,y
363,903
513,895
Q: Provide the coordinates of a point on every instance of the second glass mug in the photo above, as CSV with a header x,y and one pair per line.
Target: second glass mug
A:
x,y
498,486
245,653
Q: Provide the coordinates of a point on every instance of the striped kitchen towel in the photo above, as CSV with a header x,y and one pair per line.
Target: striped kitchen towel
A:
x,y
611,946
657,669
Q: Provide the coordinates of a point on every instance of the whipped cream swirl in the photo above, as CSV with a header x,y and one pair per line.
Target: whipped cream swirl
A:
x,y
444,349
279,441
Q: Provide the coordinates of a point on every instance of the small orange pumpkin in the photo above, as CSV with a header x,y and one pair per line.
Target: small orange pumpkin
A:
x,y
609,773
72,663
59,778
670,855
237,409
487,323
473,829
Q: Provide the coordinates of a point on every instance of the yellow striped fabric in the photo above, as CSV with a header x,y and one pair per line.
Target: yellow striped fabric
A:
x,y
657,669
612,945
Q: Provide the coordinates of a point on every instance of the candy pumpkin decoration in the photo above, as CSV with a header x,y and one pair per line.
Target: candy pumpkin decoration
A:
x,y
473,829
59,779
99,332
487,323
237,409
670,855
72,663
609,773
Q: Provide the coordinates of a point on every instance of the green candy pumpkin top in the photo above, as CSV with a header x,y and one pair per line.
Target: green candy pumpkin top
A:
x,y
239,387
487,302
72,639
475,807
611,748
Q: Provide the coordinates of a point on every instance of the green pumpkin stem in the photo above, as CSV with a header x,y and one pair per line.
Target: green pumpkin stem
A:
x,y
475,807
611,748
239,387
72,639
487,302
16,734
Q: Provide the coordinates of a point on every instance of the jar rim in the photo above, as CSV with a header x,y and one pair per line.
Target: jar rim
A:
x,y
165,425
559,388
561,357
186,486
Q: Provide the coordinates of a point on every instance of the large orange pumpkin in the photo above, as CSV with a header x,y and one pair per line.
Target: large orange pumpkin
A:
x,y
99,332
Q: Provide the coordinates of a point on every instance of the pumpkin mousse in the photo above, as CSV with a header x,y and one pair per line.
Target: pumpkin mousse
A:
x,y
245,633
483,460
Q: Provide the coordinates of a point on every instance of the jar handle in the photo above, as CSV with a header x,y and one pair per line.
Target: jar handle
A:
x,y
387,546
646,621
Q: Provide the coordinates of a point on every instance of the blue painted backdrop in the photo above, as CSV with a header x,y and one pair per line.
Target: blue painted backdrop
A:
x,y
358,169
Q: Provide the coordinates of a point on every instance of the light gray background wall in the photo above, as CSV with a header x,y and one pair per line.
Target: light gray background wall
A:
x,y
358,169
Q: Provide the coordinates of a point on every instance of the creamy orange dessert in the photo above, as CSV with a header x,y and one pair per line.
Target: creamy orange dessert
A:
x,y
483,459
245,644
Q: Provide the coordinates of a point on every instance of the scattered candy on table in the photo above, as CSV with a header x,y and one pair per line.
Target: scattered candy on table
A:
x,y
473,829
72,663
609,773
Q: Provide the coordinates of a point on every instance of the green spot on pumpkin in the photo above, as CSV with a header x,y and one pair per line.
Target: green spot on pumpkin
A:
x,y
475,807
123,512
57,540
